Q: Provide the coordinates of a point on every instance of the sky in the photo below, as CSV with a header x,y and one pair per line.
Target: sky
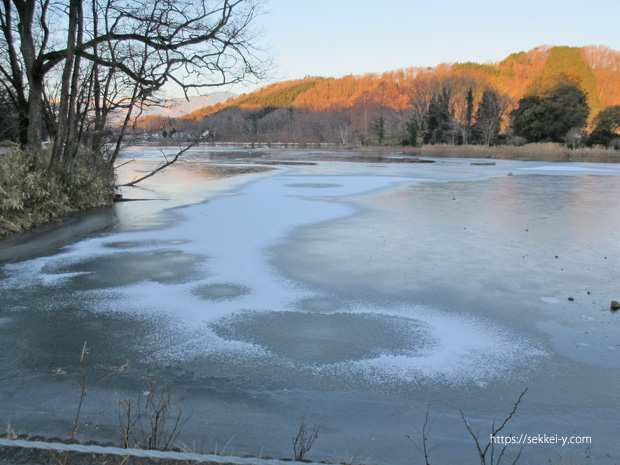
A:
x,y
334,38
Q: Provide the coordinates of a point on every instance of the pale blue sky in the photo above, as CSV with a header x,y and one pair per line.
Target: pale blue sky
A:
x,y
333,38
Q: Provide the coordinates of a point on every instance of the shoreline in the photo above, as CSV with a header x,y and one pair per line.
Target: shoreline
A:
x,y
103,218
26,450
551,152
231,156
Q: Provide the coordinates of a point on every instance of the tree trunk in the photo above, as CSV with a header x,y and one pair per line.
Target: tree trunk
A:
x,y
64,109
72,142
25,11
35,113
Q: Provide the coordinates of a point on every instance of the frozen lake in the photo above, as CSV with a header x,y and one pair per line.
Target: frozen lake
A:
x,y
360,291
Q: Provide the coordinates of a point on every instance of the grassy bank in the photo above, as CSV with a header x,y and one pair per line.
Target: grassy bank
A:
x,y
29,197
547,151
539,152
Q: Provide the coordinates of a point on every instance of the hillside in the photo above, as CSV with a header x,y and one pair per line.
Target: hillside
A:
x,y
180,106
352,107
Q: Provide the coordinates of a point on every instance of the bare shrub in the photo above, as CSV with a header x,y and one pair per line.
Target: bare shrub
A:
x,y
153,421
305,437
488,453
427,425
84,388
84,385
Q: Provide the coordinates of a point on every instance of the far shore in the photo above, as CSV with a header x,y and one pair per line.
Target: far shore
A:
x,y
551,152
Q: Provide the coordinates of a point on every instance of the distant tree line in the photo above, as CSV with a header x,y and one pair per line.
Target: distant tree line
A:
x,y
117,56
514,101
458,111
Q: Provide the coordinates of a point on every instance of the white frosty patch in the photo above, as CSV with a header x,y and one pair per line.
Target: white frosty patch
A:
x,y
27,274
234,234
465,350
550,300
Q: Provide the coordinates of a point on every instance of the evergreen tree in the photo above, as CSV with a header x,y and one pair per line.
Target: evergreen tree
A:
x,y
469,115
606,126
548,118
378,127
439,119
412,133
432,120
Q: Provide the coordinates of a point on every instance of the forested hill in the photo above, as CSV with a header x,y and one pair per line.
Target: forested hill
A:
x,y
322,109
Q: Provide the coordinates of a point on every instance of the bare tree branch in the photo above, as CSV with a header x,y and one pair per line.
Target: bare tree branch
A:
x,y
162,166
123,52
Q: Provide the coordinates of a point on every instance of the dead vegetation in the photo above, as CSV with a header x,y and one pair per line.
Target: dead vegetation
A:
x,y
29,197
305,437
548,151
153,421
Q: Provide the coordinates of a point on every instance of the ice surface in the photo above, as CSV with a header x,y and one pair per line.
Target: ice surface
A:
x,y
352,290
210,273
574,168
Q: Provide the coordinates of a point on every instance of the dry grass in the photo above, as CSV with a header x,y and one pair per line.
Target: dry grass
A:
x,y
305,437
551,152
548,151
153,421
29,197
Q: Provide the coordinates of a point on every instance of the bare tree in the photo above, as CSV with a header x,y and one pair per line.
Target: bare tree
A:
x,y
344,134
491,111
420,91
464,92
102,56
